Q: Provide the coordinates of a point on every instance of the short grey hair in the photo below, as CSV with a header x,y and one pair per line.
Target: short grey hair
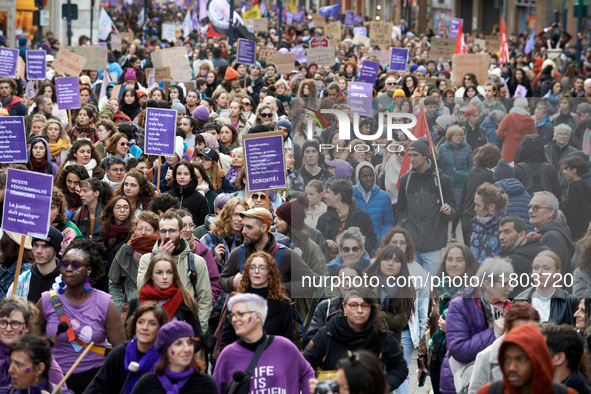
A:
x,y
238,151
496,115
552,202
253,302
563,127
110,161
352,233
584,108
494,268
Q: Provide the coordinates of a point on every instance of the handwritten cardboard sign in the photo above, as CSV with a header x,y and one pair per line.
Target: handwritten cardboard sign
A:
x,y
361,40
333,32
258,24
69,63
476,63
321,55
382,56
168,32
380,33
116,42
175,58
96,57
318,20
492,44
442,48
284,62
265,54
160,73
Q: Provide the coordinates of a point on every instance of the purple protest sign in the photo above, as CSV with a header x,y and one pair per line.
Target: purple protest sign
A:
x,y
360,98
68,93
27,203
160,131
265,166
246,51
369,71
360,30
455,27
349,18
299,17
357,20
290,17
398,59
102,44
300,54
8,61
36,65
13,141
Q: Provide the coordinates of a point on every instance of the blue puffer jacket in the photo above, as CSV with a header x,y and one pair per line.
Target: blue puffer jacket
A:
x,y
334,265
519,199
459,157
484,241
377,203
491,136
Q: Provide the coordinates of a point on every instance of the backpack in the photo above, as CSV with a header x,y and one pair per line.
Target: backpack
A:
x,y
544,86
497,387
535,180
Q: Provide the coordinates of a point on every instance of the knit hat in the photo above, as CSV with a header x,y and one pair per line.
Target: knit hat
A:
x,y
284,123
503,171
260,128
179,145
293,213
221,200
170,332
580,154
496,72
231,74
258,213
17,238
85,80
413,68
399,93
201,113
521,102
140,93
444,121
423,69
343,168
210,141
130,75
178,107
106,111
257,64
54,238
420,145
209,154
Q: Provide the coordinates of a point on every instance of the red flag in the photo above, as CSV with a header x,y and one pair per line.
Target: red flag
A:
x,y
460,42
421,129
504,45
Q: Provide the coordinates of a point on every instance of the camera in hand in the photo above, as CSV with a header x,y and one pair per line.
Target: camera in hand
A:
x,y
327,387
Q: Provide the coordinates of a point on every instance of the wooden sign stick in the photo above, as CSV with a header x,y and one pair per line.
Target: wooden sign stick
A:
x,y
84,353
19,262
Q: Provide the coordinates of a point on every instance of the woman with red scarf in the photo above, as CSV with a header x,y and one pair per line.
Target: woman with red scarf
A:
x,y
85,124
162,284
39,159
116,230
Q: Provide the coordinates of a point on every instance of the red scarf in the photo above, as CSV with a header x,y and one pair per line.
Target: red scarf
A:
x,y
39,166
173,294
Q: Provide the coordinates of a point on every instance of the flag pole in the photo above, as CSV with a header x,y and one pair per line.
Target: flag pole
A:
x,y
437,174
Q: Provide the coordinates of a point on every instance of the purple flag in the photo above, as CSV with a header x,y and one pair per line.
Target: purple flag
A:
x,y
330,10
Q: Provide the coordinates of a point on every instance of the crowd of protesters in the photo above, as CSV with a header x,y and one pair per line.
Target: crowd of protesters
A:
x,y
195,283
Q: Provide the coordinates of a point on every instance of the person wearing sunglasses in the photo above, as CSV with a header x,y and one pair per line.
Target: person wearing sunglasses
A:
x,y
358,326
281,366
264,114
386,98
351,248
118,145
96,315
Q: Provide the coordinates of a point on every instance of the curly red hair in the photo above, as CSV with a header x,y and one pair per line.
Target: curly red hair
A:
x,y
276,289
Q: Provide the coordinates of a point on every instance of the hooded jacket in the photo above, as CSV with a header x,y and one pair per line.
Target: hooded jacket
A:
x,y
192,200
51,168
530,339
16,107
557,237
531,151
418,205
491,132
518,198
376,202
511,131
203,285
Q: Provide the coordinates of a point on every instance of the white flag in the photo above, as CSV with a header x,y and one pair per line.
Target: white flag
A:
x,y
187,24
105,24
140,18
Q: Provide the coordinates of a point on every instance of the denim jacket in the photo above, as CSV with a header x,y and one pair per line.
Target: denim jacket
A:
x,y
7,276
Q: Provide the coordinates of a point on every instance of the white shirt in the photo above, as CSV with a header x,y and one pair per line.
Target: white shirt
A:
x,y
542,305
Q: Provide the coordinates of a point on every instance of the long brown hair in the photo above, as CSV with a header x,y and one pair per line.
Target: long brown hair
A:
x,y
107,220
10,249
221,225
187,297
276,290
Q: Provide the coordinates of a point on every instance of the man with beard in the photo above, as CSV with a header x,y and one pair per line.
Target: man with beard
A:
x,y
196,280
44,271
518,246
256,235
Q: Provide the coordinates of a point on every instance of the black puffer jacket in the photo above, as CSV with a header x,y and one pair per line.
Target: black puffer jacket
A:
x,y
562,305
192,200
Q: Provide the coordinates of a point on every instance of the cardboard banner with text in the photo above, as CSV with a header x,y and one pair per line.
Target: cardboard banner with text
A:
x,y
259,25
69,63
284,62
492,44
318,20
116,42
476,63
96,57
176,59
380,33
442,48
362,40
332,31
321,56
160,73
382,56
265,54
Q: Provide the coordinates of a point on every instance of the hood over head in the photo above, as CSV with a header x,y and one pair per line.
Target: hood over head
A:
x,y
530,150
